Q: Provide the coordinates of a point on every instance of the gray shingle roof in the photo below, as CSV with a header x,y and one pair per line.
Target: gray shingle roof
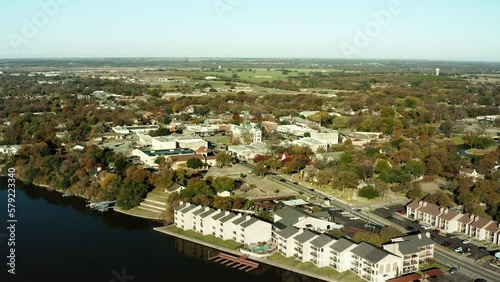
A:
x,y
249,222
207,213
239,220
227,217
218,215
288,232
322,240
370,252
341,245
181,206
290,216
186,209
305,236
199,211
410,244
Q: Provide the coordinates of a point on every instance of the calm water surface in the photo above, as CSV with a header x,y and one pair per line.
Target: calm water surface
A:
x,y
58,239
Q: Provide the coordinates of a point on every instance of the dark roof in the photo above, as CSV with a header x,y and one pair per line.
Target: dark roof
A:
x,y
288,232
290,216
180,206
305,236
174,186
208,212
188,208
249,222
199,211
322,240
227,217
369,252
410,244
239,220
322,214
279,225
218,215
341,245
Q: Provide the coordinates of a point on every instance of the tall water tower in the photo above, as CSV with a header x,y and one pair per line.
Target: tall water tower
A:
x,y
437,72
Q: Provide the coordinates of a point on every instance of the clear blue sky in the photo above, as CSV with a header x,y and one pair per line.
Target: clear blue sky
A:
x,y
417,29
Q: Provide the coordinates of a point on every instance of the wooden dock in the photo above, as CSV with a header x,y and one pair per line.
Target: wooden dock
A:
x,y
240,263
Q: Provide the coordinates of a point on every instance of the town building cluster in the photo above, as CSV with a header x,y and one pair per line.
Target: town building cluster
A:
x,y
453,221
300,235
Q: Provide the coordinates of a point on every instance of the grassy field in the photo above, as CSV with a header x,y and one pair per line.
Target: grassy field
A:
x,y
324,271
230,244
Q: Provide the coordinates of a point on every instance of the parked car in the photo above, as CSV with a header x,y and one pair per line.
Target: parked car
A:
x,y
356,209
282,180
453,270
416,221
466,241
400,211
426,227
436,231
389,217
446,244
458,249
409,228
354,217
433,237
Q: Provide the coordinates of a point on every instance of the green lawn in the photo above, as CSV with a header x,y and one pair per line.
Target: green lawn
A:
x,y
310,267
229,244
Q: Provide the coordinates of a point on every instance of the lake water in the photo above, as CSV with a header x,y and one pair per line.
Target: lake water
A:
x,y
59,239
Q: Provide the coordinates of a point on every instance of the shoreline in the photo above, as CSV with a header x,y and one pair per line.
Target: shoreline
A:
x,y
233,252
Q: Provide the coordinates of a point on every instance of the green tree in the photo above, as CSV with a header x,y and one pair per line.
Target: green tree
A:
x,y
194,163
368,192
131,194
223,183
223,159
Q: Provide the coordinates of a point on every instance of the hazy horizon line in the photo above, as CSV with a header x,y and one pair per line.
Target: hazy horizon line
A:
x,y
243,58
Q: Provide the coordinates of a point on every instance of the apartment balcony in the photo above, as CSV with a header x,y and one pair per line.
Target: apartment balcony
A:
x,y
314,253
297,249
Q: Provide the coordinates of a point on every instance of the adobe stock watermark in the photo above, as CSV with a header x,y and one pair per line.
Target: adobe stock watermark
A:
x,y
31,25
223,7
363,36
121,276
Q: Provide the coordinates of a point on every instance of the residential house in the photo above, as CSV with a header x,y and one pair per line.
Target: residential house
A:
x,y
415,250
471,172
175,187
375,264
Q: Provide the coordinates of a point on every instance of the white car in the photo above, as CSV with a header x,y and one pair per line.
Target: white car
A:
x,y
426,227
345,213
466,241
354,217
